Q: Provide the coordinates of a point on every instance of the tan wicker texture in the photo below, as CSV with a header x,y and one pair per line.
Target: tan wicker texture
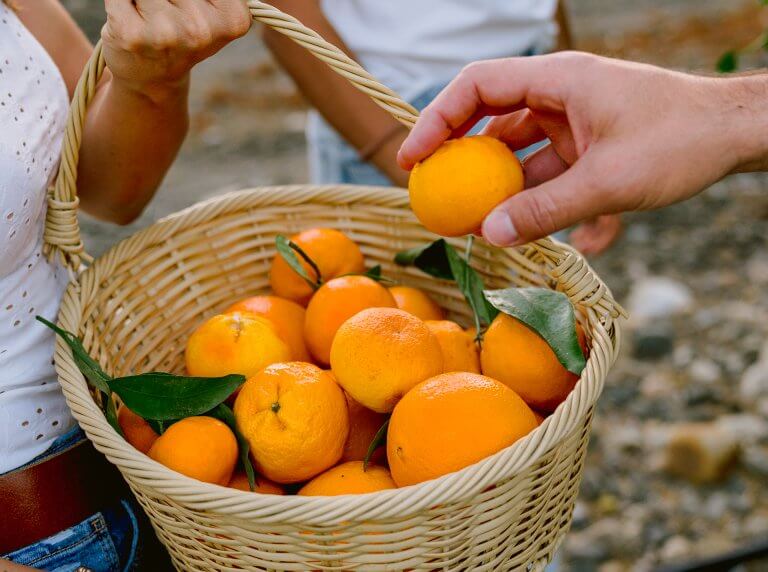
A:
x,y
135,306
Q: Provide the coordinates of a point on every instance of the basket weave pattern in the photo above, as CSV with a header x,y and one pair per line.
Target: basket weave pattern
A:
x,y
135,306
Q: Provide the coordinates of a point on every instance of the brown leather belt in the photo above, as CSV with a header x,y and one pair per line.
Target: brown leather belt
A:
x,y
44,498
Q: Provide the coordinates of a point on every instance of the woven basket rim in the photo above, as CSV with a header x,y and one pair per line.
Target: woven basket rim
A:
x,y
395,503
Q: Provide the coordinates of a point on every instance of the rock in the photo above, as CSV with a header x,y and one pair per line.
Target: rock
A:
x,y
657,384
701,452
607,504
755,460
613,566
757,268
756,525
676,548
754,383
655,297
580,515
653,342
682,356
745,427
704,371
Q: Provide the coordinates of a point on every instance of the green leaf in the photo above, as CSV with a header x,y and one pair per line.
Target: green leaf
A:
x,y
378,440
471,285
288,249
728,62
222,412
166,397
89,367
110,412
430,259
440,260
548,313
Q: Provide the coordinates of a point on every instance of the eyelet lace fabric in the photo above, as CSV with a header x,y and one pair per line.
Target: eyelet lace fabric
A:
x,y
33,106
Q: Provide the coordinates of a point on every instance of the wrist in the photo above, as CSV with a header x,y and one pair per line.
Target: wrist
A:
x,y
746,122
159,93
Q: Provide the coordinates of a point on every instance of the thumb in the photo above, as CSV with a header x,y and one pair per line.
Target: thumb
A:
x,y
542,210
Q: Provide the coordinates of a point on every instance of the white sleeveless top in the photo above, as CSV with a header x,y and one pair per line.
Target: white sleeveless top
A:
x,y
33,106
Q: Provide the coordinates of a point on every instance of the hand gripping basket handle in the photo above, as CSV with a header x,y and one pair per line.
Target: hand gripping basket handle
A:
x,y
62,231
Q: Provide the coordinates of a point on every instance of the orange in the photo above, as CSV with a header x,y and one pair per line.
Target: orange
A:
x,y
516,355
460,352
455,188
452,421
335,302
294,416
363,426
381,353
264,486
416,302
287,317
349,479
203,448
238,342
136,430
332,251
539,417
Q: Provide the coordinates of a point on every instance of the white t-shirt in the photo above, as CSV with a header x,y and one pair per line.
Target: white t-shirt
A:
x,y
413,45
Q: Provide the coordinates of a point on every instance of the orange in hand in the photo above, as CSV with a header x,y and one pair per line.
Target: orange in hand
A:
x,y
203,448
334,303
238,342
294,416
349,479
455,188
416,302
287,317
452,421
332,251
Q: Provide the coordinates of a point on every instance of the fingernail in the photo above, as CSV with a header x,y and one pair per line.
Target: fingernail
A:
x,y
498,229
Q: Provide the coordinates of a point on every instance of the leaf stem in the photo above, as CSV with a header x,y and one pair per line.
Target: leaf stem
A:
x,y
308,260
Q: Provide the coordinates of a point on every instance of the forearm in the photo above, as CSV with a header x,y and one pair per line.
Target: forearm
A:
x,y
129,142
353,114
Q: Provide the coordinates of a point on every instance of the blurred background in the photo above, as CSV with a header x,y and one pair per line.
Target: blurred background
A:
x,y
678,462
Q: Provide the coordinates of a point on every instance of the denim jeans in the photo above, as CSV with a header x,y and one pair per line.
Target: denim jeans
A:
x,y
107,541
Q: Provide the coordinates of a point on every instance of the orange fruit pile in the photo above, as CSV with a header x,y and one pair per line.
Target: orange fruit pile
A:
x,y
394,358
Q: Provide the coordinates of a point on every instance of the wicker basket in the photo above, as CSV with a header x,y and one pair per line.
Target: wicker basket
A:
x,y
135,306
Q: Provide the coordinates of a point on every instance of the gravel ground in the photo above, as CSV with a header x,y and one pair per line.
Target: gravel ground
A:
x,y
702,360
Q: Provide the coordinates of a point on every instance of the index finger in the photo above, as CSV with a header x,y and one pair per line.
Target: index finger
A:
x,y
492,87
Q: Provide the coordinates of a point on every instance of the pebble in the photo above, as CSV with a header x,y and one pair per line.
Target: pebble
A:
x,y
704,371
656,297
701,452
676,548
754,383
652,342
755,460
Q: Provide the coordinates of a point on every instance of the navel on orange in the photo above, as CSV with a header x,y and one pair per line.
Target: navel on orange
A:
x,y
294,416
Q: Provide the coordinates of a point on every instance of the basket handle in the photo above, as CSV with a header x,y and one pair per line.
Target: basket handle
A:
x,y
62,238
